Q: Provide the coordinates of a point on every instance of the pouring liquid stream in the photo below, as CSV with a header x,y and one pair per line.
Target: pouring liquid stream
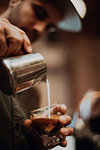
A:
x,y
48,94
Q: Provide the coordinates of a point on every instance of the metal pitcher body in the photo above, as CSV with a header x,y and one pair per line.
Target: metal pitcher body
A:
x,y
21,72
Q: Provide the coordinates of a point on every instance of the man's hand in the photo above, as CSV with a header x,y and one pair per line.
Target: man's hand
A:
x,y
89,106
13,41
64,120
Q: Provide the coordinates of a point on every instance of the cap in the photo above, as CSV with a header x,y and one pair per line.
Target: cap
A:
x,y
74,10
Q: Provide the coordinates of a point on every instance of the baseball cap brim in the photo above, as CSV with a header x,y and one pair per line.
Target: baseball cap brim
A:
x,y
71,20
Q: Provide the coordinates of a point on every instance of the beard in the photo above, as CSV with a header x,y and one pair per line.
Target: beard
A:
x,y
33,34
15,15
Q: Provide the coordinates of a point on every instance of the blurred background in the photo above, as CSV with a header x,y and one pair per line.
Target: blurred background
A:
x,y
73,60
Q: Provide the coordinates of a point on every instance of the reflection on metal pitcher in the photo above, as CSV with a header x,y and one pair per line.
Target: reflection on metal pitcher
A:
x,y
21,72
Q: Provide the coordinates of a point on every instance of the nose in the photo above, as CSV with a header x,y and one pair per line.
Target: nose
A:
x,y
40,27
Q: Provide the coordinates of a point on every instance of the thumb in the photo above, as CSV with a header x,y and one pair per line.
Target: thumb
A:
x,y
27,124
29,128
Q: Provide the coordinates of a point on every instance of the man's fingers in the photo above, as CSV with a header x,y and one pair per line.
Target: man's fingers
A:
x,y
55,110
13,40
66,131
30,129
14,47
33,134
3,43
27,124
58,108
26,43
63,143
65,120
63,108
27,47
5,20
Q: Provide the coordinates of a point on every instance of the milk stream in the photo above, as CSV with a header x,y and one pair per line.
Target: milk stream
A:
x,y
48,94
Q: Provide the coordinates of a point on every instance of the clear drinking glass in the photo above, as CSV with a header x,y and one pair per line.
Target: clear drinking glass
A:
x,y
47,127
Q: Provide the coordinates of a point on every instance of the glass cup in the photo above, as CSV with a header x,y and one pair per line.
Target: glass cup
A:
x,y
48,128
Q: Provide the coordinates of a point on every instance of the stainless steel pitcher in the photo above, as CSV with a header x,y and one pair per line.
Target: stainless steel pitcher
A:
x,y
21,72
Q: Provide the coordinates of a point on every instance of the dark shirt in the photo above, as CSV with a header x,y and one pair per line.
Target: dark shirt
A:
x,y
13,135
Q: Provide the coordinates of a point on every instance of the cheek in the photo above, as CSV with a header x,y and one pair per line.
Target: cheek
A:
x,y
28,21
27,16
